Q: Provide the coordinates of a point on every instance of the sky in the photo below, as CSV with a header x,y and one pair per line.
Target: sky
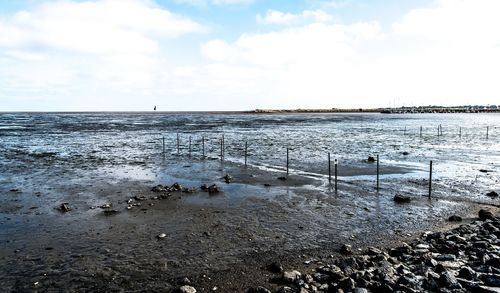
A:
x,y
206,55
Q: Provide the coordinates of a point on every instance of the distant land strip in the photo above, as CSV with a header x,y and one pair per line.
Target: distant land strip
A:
x,y
398,110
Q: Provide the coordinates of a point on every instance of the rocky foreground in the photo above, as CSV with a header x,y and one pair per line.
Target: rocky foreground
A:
x,y
465,259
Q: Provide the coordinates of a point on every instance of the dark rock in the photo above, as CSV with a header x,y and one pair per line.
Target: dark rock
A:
x,y
430,284
185,281
371,159
283,178
455,218
466,273
204,187
176,187
64,207
258,290
445,257
492,194
373,251
158,188
346,249
492,280
140,197
285,289
347,284
275,267
228,178
493,262
485,215
484,170
398,198
405,153
213,189
110,212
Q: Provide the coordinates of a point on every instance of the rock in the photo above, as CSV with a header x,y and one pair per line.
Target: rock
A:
x,y
466,273
405,153
185,280
346,249
360,290
374,251
105,206
204,187
186,289
213,189
176,187
161,236
228,178
110,212
371,159
492,280
484,171
258,290
445,257
285,289
492,194
158,188
140,197
275,267
290,277
398,198
447,280
283,178
485,215
455,218
64,207
347,284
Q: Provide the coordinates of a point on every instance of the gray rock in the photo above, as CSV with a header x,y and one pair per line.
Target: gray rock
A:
x,y
258,290
228,178
492,194
360,290
285,289
447,280
492,280
64,207
466,273
158,188
213,189
275,267
455,218
186,289
291,276
110,212
346,249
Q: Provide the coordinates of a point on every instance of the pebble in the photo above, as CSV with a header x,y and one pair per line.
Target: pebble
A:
x,y
187,289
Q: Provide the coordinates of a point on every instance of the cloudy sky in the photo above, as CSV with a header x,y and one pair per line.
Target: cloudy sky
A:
x,y
114,55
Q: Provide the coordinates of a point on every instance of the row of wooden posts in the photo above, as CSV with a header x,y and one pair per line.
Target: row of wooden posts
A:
x,y
222,153
440,131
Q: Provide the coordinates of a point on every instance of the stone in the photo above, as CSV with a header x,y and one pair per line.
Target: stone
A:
x,y
374,251
447,280
360,290
492,194
492,280
283,178
285,289
398,198
161,236
228,178
466,273
186,289
213,189
140,197
291,276
158,188
405,153
275,267
445,257
110,212
176,187
485,215
204,187
346,249
64,207
258,290
455,218
371,159
347,284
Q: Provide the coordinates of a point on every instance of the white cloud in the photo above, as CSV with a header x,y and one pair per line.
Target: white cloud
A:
x,y
282,18
202,3
99,27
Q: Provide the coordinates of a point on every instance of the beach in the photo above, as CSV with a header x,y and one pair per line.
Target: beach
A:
x,y
80,211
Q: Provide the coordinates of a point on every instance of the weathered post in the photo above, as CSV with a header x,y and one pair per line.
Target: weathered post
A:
x,y
404,132
487,130
221,148
430,180
246,152
287,157
329,169
203,147
420,131
378,168
460,132
336,163
190,146
178,145
164,145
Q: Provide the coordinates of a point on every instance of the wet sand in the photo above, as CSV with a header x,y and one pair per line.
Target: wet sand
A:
x,y
223,240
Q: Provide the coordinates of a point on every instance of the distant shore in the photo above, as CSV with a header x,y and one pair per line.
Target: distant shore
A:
x,y
398,110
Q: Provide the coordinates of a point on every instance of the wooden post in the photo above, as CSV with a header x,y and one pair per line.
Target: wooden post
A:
x,y
223,146
287,157
221,155
378,168
487,130
430,180
329,170
203,147
246,152
178,145
420,131
460,132
190,146
336,163
164,145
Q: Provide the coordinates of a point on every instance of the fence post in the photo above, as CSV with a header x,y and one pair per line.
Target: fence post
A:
x,y
430,180
287,158
178,147
420,131
203,147
336,163
487,130
163,145
329,169
190,146
378,185
246,152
